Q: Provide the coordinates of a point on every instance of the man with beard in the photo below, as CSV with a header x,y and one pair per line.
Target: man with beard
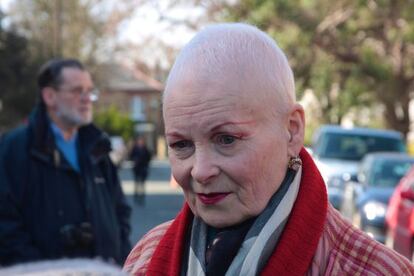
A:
x,y
60,194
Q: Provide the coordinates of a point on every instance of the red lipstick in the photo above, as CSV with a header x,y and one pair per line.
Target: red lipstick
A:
x,y
212,198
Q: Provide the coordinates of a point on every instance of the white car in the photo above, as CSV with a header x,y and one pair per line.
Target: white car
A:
x,y
337,152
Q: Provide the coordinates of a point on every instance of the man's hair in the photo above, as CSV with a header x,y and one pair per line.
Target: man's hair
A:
x,y
241,50
50,74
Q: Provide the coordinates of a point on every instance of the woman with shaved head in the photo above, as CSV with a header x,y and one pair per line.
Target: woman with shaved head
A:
x,y
255,202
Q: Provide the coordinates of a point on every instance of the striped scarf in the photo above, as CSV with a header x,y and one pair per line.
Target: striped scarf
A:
x,y
259,241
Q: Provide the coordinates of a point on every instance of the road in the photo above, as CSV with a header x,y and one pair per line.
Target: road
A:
x,y
162,201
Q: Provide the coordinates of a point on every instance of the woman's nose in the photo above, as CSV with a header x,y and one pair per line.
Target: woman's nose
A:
x,y
204,167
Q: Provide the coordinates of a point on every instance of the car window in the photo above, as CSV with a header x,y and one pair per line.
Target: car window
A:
x,y
387,173
354,147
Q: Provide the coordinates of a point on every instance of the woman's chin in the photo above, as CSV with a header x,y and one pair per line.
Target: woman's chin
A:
x,y
220,220
217,224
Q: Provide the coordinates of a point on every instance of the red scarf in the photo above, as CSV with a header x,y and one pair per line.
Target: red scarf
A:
x,y
294,252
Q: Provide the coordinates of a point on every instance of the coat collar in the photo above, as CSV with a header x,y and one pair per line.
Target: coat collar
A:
x,y
298,242
91,139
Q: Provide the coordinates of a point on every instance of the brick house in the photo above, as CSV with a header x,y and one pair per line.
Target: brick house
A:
x,y
136,94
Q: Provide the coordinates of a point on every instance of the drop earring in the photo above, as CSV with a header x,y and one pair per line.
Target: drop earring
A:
x,y
294,163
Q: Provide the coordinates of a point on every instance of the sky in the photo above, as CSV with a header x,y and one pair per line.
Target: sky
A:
x,y
156,22
151,20
156,18
4,3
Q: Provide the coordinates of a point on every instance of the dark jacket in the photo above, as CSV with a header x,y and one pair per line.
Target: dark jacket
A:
x,y
42,196
141,157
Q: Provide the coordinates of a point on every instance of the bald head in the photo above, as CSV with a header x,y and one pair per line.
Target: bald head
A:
x,y
231,122
241,53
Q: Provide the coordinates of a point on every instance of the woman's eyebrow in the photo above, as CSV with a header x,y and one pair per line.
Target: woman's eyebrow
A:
x,y
174,134
231,123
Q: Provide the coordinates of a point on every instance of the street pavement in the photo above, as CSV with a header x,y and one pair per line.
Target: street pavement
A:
x,y
162,202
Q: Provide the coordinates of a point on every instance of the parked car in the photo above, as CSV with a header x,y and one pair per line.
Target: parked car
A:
x,y
378,176
337,152
400,217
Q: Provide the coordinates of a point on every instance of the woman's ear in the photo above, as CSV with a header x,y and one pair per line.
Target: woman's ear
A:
x,y
49,96
296,128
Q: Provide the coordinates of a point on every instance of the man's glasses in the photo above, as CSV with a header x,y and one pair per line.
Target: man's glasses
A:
x,y
79,92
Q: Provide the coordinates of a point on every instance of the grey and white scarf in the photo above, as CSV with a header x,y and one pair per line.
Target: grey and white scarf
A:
x,y
260,240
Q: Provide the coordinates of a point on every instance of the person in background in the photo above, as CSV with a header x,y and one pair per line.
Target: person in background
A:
x,y
141,157
256,203
60,195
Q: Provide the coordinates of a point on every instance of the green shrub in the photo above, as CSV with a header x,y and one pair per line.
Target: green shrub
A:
x,y
114,122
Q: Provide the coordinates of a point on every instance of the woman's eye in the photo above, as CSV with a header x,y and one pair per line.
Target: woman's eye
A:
x,y
180,145
182,149
226,139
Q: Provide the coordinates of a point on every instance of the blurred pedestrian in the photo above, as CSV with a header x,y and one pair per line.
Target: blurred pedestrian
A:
x,y
141,157
60,195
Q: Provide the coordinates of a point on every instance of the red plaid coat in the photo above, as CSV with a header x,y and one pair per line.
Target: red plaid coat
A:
x,y
342,250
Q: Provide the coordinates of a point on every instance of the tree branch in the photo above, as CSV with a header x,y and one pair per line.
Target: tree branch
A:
x,y
334,19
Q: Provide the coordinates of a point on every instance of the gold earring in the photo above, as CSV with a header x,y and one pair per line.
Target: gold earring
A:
x,y
294,163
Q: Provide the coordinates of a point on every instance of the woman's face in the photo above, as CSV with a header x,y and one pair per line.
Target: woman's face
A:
x,y
226,151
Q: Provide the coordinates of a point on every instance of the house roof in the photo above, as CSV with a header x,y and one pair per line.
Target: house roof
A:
x,y
122,78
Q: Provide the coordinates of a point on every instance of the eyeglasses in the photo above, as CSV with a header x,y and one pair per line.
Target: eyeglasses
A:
x,y
78,92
